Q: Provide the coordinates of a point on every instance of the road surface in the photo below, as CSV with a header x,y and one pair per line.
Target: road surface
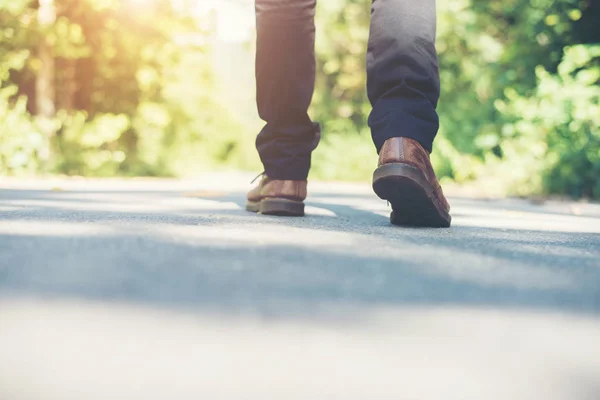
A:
x,y
170,290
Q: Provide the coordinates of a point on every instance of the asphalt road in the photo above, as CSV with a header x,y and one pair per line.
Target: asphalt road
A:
x,y
170,290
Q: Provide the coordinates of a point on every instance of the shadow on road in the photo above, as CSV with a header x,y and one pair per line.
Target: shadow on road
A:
x,y
224,259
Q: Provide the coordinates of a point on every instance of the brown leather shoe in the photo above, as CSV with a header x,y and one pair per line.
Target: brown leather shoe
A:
x,y
277,197
406,179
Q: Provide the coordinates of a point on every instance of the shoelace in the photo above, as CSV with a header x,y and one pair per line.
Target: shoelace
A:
x,y
258,176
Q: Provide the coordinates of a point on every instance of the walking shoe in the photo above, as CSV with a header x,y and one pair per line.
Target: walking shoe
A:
x,y
277,197
405,178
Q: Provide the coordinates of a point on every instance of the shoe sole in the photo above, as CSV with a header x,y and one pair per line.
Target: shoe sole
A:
x,y
411,197
278,207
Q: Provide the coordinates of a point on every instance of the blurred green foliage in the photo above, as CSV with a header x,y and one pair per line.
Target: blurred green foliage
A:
x,y
133,91
520,102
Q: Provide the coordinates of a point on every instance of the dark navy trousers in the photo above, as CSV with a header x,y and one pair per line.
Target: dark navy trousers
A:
x,y
402,78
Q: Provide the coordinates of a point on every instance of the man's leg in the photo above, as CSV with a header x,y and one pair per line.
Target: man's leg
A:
x,y
285,80
404,87
402,68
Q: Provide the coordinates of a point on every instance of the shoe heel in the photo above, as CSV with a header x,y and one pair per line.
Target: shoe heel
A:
x,y
282,207
389,172
410,195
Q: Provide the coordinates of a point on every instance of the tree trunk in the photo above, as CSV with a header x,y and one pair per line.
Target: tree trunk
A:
x,y
66,84
45,85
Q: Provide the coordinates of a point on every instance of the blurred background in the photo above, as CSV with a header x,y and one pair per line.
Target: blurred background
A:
x,y
166,88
